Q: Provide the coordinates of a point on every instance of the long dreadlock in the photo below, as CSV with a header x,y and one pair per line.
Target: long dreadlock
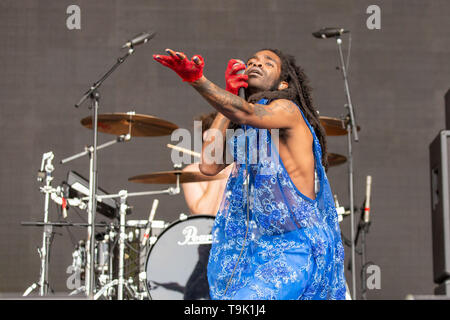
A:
x,y
298,91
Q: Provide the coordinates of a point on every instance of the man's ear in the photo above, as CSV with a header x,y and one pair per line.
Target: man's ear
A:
x,y
283,85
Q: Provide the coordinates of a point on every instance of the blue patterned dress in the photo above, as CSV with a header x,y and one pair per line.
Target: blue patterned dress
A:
x,y
286,245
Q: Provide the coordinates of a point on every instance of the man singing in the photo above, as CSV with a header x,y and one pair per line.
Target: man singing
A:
x,y
274,236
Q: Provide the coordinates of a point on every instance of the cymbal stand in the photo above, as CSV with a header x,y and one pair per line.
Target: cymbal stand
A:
x,y
88,149
351,128
44,252
92,200
123,237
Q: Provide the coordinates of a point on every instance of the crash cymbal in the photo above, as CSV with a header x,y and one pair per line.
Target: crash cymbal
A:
x,y
334,126
141,125
170,177
335,159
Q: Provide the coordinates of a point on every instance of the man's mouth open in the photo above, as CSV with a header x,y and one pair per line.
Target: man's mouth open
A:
x,y
254,72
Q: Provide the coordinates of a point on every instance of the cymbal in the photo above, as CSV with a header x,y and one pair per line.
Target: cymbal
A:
x,y
335,159
170,177
138,125
334,126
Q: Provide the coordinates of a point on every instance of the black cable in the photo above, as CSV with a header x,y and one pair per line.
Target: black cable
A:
x,y
79,215
131,247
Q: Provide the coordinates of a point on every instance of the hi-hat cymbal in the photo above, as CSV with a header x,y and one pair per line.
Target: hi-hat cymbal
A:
x,y
170,177
334,126
138,125
335,159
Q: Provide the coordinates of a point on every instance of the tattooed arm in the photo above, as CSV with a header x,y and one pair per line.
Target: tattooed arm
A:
x,y
280,113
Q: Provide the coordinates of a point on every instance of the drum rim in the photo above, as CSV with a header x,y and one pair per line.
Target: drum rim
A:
x,y
192,216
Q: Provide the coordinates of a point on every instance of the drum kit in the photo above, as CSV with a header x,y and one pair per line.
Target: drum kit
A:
x,y
129,259
137,259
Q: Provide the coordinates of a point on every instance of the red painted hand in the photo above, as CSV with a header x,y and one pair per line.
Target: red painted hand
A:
x,y
235,81
188,70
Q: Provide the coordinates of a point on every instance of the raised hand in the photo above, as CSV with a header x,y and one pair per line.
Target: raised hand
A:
x,y
188,70
235,81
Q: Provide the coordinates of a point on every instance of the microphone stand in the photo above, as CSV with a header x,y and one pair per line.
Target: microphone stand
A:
x,y
363,229
351,128
94,96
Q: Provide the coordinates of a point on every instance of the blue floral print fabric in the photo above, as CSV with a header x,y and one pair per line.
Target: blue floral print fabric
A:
x,y
270,241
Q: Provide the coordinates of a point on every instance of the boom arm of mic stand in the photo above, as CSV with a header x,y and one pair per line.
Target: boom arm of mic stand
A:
x,y
347,92
97,84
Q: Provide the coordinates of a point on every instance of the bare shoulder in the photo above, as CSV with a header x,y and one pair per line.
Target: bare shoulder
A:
x,y
290,110
284,105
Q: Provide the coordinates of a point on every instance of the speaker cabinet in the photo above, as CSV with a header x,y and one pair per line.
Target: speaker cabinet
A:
x,y
447,110
443,289
440,206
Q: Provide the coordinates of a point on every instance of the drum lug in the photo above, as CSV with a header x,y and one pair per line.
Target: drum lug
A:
x,y
152,240
183,217
143,276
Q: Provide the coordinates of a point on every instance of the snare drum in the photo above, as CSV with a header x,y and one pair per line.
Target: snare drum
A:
x,y
176,263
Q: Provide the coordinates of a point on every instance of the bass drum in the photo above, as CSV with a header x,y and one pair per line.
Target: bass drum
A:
x,y
176,263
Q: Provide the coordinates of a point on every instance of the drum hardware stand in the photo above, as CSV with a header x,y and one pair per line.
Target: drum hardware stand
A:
x,y
104,288
122,238
351,128
92,151
59,224
44,173
88,149
92,201
123,195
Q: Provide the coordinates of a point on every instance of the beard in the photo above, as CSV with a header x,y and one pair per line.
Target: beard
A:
x,y
255,94
260,90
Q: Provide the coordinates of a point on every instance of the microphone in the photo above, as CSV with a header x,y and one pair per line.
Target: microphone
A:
x,y
241,90
367,202
139,39
325,33
149,223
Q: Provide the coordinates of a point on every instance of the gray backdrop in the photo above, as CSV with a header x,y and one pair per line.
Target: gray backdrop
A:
x,y
398,77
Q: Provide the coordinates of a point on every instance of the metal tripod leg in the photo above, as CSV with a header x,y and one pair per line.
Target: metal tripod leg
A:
x,y
120,281
122,239
106,287
30,289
